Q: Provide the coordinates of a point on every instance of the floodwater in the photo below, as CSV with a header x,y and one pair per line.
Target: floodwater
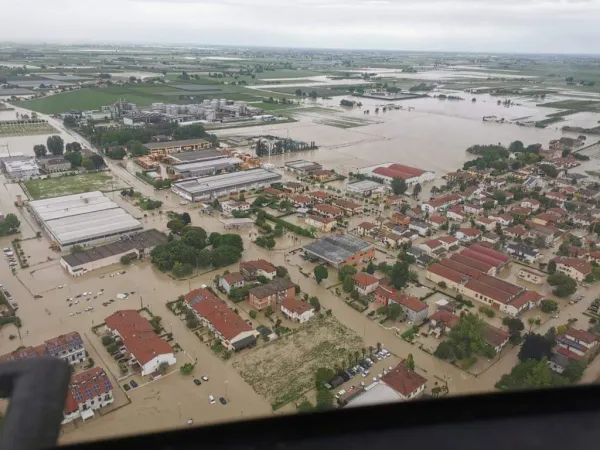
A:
x,y
437,74
433,136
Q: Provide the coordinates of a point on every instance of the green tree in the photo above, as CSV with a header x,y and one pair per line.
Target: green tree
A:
x,y
281,272
468,336
551,267
536,347
10,225
370,268
417,190
253,314
87,164
98,161
574,370
55,145
564,284
305,406
76,159
516,147
324,399
322,376
163,367
321,273
399,274
76,249
410,362
125,260
73,147
193,236
175,225
345,271
348,284
39,150
187,368
136,148
314,301
549,306
394,311
530,374
399,186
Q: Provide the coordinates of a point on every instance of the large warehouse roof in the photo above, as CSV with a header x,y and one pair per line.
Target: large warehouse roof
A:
x,y
337,248
169,144
197,155
83,217
227,180
210,164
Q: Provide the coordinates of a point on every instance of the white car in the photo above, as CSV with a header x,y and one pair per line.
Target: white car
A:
x,y
204,378
71,314
7,249
100,293
212,400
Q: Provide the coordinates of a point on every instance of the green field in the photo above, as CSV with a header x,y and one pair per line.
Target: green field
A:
x,y
576,105
55,187
26,129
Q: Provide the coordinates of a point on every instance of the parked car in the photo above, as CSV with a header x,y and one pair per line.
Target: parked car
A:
x,y
126,387
212,400
197,382
223,401
204,378
133,384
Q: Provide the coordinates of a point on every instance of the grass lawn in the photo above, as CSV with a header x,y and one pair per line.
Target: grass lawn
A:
x,y
55,187
576,105
284,370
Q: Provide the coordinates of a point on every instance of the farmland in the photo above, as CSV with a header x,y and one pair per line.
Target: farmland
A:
x,y
55,187
25,129
284,370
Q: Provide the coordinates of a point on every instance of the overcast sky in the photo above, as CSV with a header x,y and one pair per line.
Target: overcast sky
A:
x,y
550,26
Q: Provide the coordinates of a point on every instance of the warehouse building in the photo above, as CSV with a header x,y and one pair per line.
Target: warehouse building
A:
x,y
83,219
195,156
168,147
217,185
340,250
389,171
302,166
21,170
366,188
136,246
205,168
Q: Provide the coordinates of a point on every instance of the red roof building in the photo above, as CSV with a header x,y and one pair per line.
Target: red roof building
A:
x,y
88,391
405,381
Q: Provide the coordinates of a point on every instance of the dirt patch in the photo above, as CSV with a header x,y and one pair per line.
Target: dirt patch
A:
x,y
283,370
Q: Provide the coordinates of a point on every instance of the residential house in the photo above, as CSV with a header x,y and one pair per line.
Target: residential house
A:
x,y
583,221
348,207
448,241
326,210
546,233
578,344
519,211
456,213
443,320
485,222
401,219
518,231
391,239
88,391
405,381
490,237
470,208
523,252
496,338
259,267
577,269
274,192
558,212
420,226
293,188
54,164
297,310
498,182
503,219
415,309
441,203
558,197
395,200
320,196
323,175
322,224
229,328
230,206
467,234
271,294
68,347
364,283
545,219
530,276
366,228
530,203
147,351
231,280
436,221
433,247
301,201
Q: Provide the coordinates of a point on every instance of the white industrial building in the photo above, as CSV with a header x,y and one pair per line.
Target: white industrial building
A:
x,y
135,247
21,170
206,168
217,185
83,219
366,188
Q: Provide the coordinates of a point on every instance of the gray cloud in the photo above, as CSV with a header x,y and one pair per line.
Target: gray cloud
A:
x,y
469,25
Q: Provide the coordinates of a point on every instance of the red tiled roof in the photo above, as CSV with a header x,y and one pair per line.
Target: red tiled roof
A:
x,y
403,380
558,212
490,260
504,217
531,201
448,239
391,173
446,317
488,291
298,198
85,386
547,217
328,209
364,279
439,201
408,169
138,335
273,191
469,231
432,244
577,264
495,336
490,252
456,210
346,204
367,225
525,297
293,304
259,264
225,321
518,230
445,272
437,219
461,268
319,219
497,283
320,194
568,353
485,220
581,335
519,210
408,301
470,262
233,277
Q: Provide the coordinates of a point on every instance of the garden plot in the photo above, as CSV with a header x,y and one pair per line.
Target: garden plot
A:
x,y
26,129
284,370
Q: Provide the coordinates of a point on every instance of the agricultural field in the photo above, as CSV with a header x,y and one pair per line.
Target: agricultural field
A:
x,y
284,370
575,105
26,129
56,187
